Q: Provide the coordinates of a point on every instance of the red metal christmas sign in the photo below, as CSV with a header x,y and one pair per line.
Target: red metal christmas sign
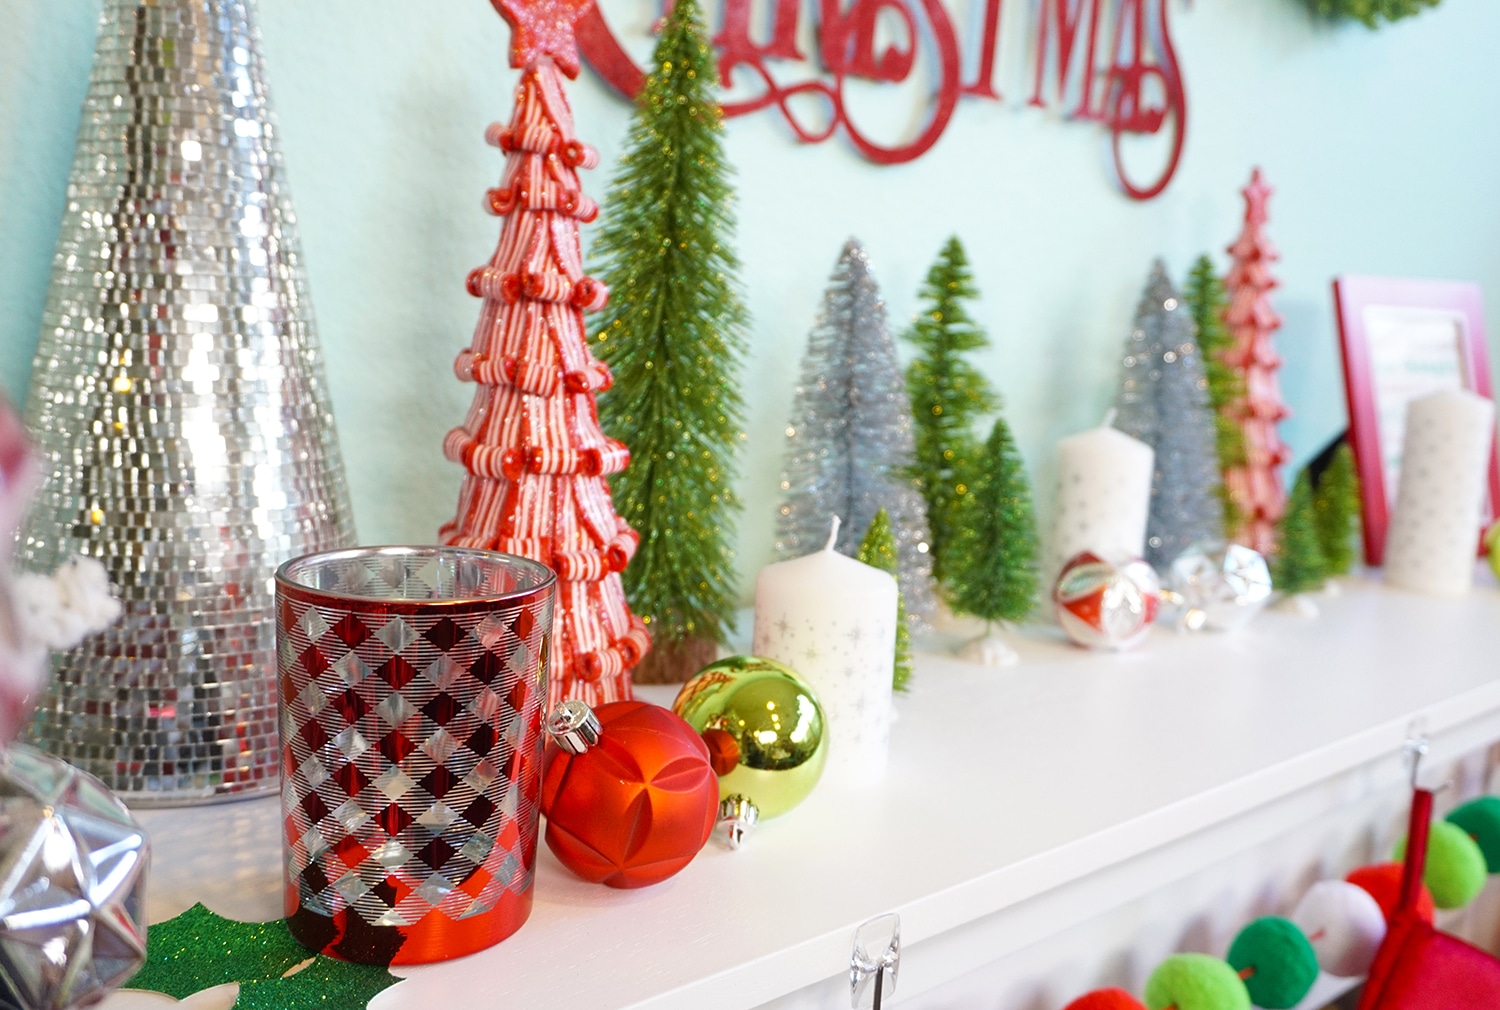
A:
x,y
1110,62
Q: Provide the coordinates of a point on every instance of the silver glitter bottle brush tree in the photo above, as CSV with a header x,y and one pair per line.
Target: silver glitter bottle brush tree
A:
x,y
179,404
850,443
1163,401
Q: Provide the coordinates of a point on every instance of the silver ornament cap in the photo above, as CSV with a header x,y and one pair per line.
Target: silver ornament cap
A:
x,y
72,884
179,406
1218,586
573,726
738,818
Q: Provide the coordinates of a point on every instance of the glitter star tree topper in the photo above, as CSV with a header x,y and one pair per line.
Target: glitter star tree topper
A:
x,y
535,456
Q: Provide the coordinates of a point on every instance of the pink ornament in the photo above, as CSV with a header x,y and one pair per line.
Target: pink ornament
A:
x,y
1106,603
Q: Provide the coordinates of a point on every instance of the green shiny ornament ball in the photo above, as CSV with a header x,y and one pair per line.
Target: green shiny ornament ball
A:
x,y
1195,982
765,730
1276,961
1480,820
1455,871
1492,547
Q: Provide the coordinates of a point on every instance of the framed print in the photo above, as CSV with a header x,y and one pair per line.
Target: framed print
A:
x,y
1402,339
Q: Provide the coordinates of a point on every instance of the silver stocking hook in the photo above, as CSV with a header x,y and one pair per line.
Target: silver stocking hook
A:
x,y
874,962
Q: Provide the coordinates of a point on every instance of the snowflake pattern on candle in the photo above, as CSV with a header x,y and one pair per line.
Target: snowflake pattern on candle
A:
x,y
847,663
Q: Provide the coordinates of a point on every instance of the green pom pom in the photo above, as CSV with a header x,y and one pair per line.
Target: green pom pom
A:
x,y
1277,963
1480,818
1196,982
1455,871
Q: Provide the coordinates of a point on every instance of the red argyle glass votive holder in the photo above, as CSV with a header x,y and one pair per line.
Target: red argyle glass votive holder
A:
x,y
412,681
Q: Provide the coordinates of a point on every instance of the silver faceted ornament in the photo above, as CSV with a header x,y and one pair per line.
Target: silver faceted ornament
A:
x,y
179,405
1219,586
72,885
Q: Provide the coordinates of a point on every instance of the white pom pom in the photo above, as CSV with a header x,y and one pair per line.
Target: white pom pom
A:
x,y
59,611
39,613
1343,924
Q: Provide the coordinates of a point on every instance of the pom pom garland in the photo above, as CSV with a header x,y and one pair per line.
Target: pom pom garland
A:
x,y
1195,982
1455,871
1343,923
1383,883
1275,961
1480,819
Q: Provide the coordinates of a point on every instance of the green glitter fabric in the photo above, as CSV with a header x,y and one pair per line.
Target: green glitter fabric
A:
x,y
1206,301
992,562
198,950
674,336
947,394
878,550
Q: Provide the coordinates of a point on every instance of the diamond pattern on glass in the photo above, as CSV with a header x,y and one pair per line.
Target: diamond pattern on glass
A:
x,y
395,710
397,634
402,743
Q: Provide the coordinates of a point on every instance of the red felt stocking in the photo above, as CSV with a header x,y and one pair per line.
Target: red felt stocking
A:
x,y
1417,967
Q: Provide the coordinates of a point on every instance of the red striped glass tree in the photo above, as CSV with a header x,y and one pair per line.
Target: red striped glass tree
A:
x,y
536,457
1254,486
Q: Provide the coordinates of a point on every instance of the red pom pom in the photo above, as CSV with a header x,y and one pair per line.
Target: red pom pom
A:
x,y
1383,882
637,806
1106,999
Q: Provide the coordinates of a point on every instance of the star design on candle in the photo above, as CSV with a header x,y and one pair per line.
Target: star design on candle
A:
x,y
541,28
782,625
855,633
812,652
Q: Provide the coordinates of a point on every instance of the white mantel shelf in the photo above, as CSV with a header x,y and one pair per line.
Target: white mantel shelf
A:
x,y
1019,801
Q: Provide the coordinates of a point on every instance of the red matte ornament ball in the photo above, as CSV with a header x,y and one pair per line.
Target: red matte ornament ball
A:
x,y
1106,999
637,806
1383,882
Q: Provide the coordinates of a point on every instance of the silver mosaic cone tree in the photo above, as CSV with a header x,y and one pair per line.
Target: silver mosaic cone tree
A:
x,y
178,399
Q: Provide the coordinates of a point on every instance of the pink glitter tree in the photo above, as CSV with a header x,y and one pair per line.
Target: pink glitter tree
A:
x,y
1255,487
535,455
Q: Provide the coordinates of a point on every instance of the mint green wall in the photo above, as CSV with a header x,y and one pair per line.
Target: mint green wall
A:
x,y
1381,146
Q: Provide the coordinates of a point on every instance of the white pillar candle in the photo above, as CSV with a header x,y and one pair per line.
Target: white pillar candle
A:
x,y
1103,495
1433,537
833,620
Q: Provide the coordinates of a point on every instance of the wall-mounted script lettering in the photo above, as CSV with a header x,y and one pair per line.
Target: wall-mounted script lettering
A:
x,y
1107,62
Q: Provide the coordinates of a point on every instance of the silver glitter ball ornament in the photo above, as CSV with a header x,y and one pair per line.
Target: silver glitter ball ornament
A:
x,y
1218,585
72,885
179,405
1106,603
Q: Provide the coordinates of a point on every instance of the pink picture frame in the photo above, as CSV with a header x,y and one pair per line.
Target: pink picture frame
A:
x,y
1402,338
